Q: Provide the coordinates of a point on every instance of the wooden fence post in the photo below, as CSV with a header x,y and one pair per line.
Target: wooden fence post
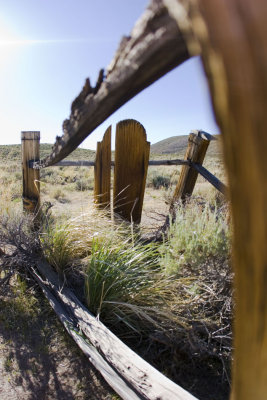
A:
x,y
131,163
30,148
198,143
102,171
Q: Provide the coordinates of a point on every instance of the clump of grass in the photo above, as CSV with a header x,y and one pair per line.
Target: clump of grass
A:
x,y
57,247
125,287
72,239
91,224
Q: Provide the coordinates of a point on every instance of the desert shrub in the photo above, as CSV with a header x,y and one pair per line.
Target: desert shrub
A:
x,y
84,184
160,181
15,191
199,233
52,176
59,195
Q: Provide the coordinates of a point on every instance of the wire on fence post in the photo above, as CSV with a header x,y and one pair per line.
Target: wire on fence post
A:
x,y
30,152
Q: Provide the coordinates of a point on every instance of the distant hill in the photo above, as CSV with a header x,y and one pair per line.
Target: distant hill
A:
x,y
178,144
174,146
12,152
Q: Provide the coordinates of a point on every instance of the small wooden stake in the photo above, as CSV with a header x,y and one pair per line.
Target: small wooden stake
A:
x,y
30,145
131,163
102,171
198,143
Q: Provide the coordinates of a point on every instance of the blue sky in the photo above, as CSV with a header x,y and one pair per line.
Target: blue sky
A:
x,y
49,47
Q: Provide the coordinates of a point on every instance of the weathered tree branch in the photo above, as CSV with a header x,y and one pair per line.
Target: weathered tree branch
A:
x,y
155,47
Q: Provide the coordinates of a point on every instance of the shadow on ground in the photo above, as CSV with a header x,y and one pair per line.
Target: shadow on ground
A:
x,y
37,358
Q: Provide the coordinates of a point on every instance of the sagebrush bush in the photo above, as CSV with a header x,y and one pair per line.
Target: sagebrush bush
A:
x,y
84,184
160,181
200,232
59,195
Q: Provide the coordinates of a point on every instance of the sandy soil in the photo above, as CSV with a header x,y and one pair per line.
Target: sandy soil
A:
x,y
37,358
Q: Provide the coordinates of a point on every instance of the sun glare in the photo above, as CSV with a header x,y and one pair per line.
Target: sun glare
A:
x,y
7,37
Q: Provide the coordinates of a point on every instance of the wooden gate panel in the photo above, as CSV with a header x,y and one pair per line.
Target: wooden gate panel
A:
x,y
131,163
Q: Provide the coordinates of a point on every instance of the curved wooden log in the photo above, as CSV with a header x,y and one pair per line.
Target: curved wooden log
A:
x,y
155,47
131,376
233,39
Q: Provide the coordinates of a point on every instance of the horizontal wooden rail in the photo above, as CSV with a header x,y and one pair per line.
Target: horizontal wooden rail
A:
x,y
168,162
35,165
199,168
210,177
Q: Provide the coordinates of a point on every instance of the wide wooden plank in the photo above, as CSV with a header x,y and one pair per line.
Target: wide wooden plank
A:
x,y
131,163
144,379
154,47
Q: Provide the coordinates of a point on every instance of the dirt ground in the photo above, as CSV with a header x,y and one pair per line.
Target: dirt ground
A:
x,y
155,206
37,358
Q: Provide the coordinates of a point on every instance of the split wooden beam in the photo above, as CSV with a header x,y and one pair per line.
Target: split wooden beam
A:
x,y
154,47
102,170
30,149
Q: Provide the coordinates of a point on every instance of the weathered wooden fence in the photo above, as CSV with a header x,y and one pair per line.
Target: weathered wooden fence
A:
x,y
127,373
130,170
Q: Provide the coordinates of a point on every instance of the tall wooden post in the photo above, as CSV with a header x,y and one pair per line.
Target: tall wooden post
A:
x,y
30,145
198,143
